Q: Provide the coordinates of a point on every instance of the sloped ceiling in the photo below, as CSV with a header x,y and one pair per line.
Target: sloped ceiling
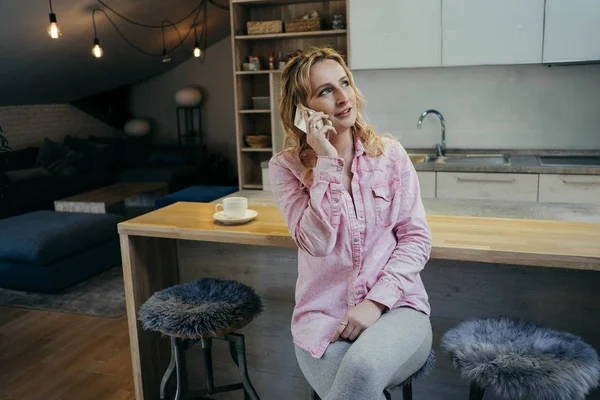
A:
x,y
35,69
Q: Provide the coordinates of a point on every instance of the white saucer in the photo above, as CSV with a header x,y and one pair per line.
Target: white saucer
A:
x,y
222,218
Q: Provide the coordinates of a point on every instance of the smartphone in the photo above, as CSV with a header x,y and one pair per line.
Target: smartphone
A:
x,y
301,124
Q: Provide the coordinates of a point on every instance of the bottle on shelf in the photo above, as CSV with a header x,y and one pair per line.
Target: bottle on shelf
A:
x,y
281,62
271,60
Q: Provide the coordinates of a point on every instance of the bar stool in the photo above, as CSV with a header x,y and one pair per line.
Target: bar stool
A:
x,y
519,360
406,385
200,311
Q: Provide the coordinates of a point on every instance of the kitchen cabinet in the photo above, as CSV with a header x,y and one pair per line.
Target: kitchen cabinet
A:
x,y
583,189
394,33
487,186
572,30
484,32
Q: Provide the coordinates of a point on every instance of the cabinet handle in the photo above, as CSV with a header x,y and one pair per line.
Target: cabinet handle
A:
x,y
591,183
511,180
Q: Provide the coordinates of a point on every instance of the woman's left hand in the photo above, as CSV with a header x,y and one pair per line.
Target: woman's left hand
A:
x,y
357,319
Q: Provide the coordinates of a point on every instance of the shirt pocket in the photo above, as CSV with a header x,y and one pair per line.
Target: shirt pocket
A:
x,y
386,200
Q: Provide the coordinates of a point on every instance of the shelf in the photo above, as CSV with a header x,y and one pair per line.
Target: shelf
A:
x,y
253,150
252,186
331,32
274,2
255,111
264,71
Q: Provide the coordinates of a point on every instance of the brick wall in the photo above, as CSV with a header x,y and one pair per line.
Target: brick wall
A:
x,y
28,125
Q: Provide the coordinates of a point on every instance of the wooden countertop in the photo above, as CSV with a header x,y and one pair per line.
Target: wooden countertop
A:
x,y
561,244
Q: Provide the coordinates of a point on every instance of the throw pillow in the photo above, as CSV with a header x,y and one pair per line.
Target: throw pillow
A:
x,y
95,156
58,159
26,174
50,153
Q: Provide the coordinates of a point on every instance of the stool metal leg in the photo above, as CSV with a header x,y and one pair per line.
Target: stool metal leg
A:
x,y
475,392
234,357
240,346
169,372
407,391
180,369
208,365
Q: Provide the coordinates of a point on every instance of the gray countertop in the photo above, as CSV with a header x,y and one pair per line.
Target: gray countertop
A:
x,y
519,163
478,208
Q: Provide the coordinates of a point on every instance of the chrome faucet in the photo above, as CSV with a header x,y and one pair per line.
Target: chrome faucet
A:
x,y
440,149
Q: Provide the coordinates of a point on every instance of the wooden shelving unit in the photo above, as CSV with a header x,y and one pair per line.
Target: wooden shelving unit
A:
x,y
250,149
255,111
265,82
337,32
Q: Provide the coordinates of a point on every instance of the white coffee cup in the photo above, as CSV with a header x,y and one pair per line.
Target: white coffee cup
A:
x,y
233,207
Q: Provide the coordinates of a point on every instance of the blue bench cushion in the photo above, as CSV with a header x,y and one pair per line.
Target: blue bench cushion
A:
x,y
42,237
63,273
200,194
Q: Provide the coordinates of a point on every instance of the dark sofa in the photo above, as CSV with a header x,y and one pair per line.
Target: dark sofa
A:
x,y
34,177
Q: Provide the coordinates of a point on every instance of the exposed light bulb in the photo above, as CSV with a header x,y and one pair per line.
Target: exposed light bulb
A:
x,y
197,51
53,29
97,50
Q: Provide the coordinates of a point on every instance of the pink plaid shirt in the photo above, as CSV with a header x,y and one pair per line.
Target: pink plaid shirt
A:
x,y
371,245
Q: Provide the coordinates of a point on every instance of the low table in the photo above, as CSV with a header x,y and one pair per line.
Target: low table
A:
x,y
114,197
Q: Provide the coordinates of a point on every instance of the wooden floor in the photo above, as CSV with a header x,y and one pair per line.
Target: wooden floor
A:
x,y
52,356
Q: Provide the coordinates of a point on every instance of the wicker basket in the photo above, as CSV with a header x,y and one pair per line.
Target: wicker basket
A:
x,y
303,25
264,27
258,141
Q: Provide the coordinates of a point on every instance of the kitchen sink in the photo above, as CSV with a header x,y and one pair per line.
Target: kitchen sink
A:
x,y
569,161
464,159
476,159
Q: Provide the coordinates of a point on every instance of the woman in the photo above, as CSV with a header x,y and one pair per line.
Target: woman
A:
x,y
352,204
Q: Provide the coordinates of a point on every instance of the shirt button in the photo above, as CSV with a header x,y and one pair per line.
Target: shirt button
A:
x,y
338,169
355,240
336,200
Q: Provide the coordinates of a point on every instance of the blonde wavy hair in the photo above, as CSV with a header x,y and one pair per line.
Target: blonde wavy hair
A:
x,y
295,89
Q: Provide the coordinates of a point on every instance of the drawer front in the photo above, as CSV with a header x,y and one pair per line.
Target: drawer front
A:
x,y
583,189
426,183
466,185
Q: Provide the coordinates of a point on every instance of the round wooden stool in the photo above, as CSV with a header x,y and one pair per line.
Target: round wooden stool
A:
x,y
200,311
519,360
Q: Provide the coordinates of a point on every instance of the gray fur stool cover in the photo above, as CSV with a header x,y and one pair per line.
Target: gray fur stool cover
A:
x,y
519,360
200,309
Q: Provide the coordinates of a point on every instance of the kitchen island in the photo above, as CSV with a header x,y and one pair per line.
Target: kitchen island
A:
x,y
479,266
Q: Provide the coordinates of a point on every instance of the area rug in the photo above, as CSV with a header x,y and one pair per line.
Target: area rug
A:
x,y
100,296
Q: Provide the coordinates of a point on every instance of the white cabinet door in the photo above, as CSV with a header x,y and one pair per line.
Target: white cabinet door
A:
x,y
487,186
584,189
394,33
484,32
427,184
572,30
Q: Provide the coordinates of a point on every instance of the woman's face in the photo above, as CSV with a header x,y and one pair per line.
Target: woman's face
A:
x,y
332,94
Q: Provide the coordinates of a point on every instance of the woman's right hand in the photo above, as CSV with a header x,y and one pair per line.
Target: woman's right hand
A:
x,y
317,138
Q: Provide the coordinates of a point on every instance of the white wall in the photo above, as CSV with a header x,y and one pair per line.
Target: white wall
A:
x,y
508,107
154,99
519,107
28,125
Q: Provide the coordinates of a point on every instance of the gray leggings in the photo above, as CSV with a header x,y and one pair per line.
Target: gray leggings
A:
x,y
384,355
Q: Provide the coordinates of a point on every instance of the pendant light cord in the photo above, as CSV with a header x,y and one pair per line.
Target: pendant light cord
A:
x,y
201,7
